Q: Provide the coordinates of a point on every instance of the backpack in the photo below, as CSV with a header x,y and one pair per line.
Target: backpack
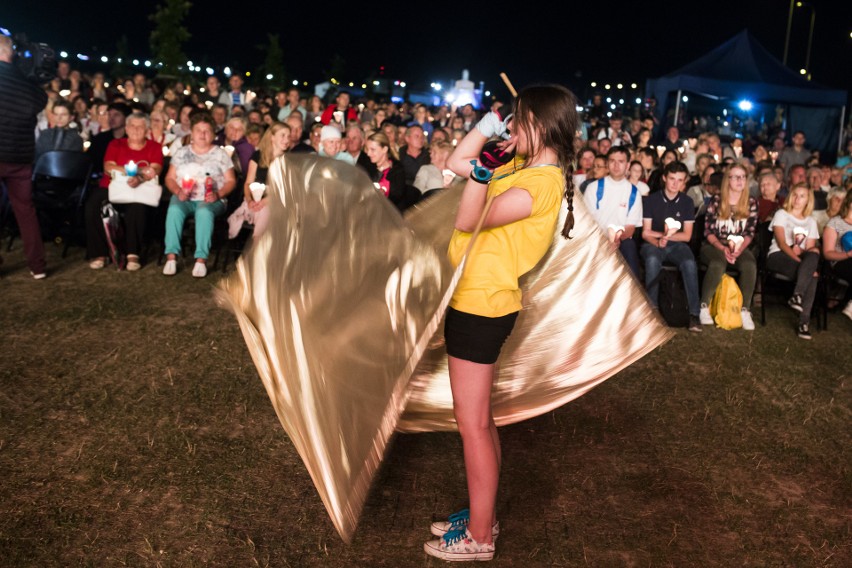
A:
x,y
727,303
634,191
672,299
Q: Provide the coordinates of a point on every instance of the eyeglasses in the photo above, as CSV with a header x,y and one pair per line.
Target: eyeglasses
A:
x,y
738,177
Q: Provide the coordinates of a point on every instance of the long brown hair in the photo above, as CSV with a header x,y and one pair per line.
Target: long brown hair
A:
x,y
552,110
267,153
740,211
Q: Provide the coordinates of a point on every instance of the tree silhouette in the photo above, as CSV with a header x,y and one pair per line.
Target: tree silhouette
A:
x,y
169,34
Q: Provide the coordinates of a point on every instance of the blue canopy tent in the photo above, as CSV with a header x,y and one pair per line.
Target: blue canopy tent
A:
x,y
741,68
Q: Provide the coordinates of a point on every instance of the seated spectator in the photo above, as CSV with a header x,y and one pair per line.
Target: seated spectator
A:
x,y
292,104
354,142
200,176
731,213
412,155
254,132
703,192
585,162
634,174
616,205
315,136
61,136
116,115
844,162
148,155
794,252
234,135
390,177
435,175
315,110
182,127
664,243
837,249
159,132
599,170
331,145
297,125
275,141
769,201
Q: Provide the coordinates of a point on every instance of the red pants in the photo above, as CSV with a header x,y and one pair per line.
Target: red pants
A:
x,y
18,180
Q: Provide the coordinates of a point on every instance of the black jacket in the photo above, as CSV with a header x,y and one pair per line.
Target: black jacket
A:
x,y
20,103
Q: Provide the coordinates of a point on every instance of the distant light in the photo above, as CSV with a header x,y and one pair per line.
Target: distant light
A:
x,y
106,85
620,86
402,84
451,97
227,71
803,71
395,83
63,54
119,59
210,71
725,123
104,59
487,93
295,82
363,85
621,101
201,89
744,104
82,57
633,85
147,63
725,111
375,83
594,84
609,99
607,87
248,73
5,32
136,62
305,84
579,108
190,64
269,76
351,84
638,101
612,106
685,99
609,115
798,4
64,93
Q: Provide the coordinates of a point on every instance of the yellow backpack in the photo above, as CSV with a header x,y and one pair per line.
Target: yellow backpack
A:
x,y
727,303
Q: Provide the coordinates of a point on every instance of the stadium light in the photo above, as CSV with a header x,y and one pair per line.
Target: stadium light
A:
x,y
745,105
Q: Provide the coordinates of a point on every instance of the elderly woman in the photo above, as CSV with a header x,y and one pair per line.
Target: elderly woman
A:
x,y
435,175
148,157
200,176
159,131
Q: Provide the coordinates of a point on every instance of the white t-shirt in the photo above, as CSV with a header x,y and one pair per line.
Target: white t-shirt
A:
x,y
613,206
790,223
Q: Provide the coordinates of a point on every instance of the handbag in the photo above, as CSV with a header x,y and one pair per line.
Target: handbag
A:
x,y
147,193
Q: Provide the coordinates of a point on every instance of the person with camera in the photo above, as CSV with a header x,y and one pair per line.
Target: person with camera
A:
x,y
20,102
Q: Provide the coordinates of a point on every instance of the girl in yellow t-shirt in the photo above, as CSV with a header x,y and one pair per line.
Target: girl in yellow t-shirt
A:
x,y
515,235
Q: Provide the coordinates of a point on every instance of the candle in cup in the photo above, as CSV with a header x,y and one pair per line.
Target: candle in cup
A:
x,y
131,169
257,190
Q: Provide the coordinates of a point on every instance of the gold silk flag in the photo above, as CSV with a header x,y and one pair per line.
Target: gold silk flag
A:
x,y
340,303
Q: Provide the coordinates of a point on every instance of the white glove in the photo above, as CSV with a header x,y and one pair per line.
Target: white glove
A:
x,y
492,125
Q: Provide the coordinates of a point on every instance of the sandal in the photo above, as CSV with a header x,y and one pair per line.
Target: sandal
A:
x,y
97,264
133,262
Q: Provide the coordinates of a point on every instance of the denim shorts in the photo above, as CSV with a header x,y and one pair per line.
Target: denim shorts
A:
x,y
476,338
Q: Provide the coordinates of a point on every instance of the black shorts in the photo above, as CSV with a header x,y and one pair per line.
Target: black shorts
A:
x,y
476,338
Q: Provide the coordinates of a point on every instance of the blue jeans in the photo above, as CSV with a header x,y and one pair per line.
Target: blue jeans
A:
x,y
628,251
681,256
204,214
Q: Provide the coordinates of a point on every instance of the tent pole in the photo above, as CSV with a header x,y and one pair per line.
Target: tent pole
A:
x,y
677,107
840,137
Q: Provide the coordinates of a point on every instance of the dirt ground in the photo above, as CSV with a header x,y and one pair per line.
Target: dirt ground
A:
x,y
134,431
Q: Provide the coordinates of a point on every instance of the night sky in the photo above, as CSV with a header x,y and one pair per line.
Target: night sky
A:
x,y
421,42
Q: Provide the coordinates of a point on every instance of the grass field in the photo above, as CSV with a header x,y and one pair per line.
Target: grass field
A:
x,y
134,431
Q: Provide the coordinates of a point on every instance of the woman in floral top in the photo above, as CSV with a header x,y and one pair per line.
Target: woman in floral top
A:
x,y
729,229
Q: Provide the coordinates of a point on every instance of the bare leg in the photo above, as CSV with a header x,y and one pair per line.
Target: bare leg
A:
x,y
471,386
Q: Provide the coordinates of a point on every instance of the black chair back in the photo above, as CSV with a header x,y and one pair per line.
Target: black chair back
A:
x,y
63,164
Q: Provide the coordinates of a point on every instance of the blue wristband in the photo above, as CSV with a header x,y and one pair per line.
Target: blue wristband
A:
x,y
480,174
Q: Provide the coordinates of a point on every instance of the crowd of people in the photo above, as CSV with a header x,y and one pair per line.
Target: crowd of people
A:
x,y
689,200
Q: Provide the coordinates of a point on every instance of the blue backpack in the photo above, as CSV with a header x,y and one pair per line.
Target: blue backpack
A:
x,y
634,191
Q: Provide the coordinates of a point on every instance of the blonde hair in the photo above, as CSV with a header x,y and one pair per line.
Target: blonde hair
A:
x,y
267,153
381,139
740,210
809,207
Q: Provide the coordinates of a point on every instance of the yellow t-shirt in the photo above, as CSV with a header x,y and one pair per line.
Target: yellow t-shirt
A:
x,y
500,255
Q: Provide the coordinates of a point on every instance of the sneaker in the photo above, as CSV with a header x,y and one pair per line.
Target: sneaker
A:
x,y
199,270
133,263
695,324
795,302
803,331
39,276
748,323
97,264
459,546
170,268
458,521
704,315
847,311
